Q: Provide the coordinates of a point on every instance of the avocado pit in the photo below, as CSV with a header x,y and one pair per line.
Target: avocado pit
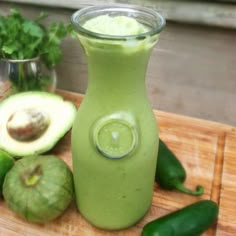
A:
x,y
27,124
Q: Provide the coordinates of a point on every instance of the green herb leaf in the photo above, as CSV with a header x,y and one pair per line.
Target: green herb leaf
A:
x,y
31,28
22,38
8,49
52,55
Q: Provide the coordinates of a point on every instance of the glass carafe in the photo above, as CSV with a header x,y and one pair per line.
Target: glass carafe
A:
x,y
115,134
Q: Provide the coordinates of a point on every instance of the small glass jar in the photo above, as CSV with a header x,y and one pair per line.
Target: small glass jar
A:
x,y
25,75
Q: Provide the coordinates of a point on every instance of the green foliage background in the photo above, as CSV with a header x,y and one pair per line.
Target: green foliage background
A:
x,y
22,38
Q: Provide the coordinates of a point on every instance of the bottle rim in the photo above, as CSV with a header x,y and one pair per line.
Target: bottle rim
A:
x,y
155,20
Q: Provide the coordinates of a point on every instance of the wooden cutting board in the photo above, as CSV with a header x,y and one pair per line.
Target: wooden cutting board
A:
x,y
206,149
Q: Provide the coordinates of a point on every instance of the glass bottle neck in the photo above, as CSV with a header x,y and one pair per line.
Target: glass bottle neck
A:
x,y
117,72
118,67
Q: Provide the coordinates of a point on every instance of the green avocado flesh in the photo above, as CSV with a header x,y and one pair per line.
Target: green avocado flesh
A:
x,y
33,122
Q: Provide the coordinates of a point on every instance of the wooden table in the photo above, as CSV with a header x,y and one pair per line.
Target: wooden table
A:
x,y
206,149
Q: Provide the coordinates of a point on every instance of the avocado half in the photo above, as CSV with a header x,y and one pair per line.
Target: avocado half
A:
x,y
33,122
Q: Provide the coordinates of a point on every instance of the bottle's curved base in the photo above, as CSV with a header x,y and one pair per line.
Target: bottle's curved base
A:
x,y
116,226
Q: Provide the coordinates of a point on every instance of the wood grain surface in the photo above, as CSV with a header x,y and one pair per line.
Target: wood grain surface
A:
x,y
206,149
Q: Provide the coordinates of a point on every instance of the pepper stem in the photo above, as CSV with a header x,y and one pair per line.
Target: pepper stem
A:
x,y
199,189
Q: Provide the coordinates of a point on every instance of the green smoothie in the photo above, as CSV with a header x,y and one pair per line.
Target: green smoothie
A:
x,y
115,136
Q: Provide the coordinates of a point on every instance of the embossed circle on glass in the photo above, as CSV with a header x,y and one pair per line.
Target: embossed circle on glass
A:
x,y
115,138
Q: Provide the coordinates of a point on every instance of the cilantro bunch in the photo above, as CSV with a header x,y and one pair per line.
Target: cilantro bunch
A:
x,y
22,38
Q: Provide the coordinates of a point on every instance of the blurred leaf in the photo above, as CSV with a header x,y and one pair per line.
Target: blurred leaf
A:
x,y
31,28
22,38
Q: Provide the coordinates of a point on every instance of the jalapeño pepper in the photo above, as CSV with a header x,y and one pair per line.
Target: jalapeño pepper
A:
x,y
170,174
191,220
